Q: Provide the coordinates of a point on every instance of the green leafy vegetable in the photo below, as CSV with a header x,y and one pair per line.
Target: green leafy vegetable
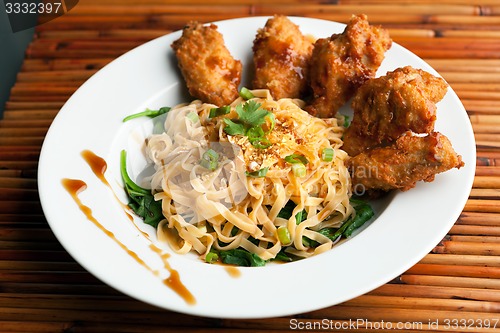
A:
x,y
241,257
255,133
283,256
251,114
287,211
363,214
309,242
261,143
233,128
296,158
142,202
250,119
259,173
148,113
347,121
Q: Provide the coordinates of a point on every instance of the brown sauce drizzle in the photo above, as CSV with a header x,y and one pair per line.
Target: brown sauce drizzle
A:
x,y
99,167
76,186
233,271
174,281
97,164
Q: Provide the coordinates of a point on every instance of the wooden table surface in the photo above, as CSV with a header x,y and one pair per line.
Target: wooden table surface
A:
x,y
456,286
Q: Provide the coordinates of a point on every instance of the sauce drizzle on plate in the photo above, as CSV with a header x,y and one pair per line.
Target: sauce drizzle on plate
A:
x,y
75,186
233,271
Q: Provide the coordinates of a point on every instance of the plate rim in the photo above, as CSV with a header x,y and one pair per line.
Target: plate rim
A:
x,y
44,199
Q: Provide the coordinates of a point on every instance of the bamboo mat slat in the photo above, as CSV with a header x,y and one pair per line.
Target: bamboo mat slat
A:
x,y
42,289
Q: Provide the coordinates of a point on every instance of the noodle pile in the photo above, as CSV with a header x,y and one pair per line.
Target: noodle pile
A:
x,y
227,208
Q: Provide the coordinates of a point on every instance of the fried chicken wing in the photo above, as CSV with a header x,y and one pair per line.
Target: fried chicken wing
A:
x,y
342,63
210,72
386,107
281,55
410,159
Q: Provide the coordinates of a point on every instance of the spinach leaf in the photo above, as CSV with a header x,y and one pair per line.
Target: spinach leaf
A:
x,y
364,212
287,211
142,202
283,256
148,113
241,257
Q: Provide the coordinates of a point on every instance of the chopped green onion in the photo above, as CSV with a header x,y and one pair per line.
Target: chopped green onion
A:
x,y
211,257
296,158
260,143
257,139
245,93
284,235
272,120
210,160
299,170
215,112
148,113
259,173
193,116
327,154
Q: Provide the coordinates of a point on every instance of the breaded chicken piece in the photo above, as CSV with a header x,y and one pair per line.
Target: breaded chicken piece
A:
x,y
386,107
281,57
410,159
342,63
211,73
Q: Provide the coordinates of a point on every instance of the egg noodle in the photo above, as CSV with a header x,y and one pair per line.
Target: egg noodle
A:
x,y
231,205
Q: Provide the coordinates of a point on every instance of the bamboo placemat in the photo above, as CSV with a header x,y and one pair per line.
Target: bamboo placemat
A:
x,y
454,288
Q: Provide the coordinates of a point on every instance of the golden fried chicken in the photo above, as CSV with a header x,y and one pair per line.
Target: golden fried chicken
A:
x,y
385,107
409,159
342,63
210,72
281,56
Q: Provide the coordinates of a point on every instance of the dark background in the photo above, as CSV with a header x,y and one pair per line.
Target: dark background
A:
x,y
12,48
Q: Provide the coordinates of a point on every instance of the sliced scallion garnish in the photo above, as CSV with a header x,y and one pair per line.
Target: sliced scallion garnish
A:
x,y
299,170
259,173
296,158
284,235
211,257
193,116
260,143
327,154
210,160
245,93
215,112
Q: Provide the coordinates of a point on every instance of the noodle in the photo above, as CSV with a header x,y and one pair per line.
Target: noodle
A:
x,y
225,208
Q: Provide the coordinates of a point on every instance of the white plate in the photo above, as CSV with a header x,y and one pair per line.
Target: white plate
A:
x,y
408,224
